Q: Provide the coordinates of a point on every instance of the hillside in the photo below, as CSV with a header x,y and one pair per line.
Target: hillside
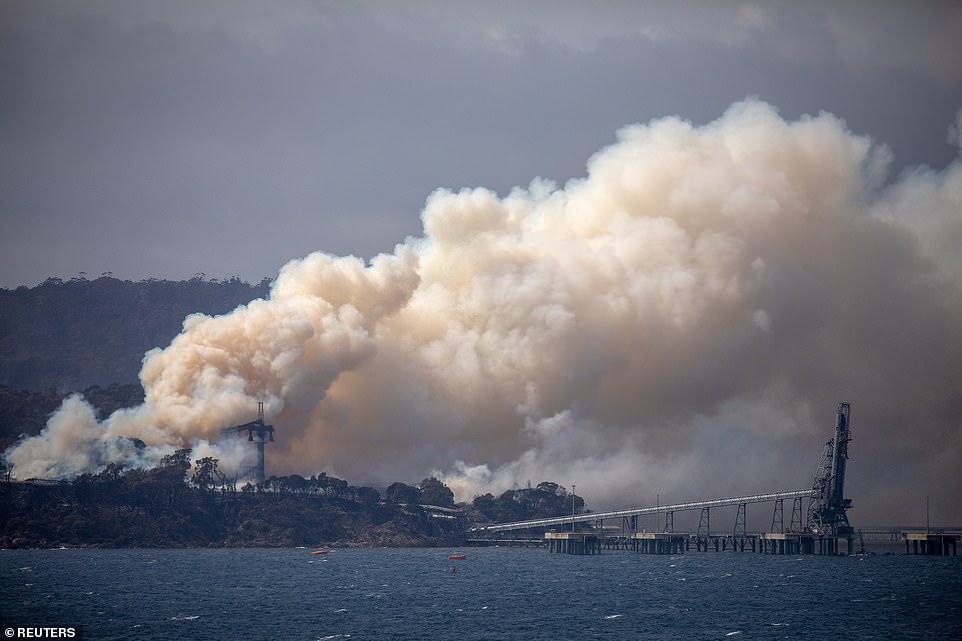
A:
x,y
70,335
24,412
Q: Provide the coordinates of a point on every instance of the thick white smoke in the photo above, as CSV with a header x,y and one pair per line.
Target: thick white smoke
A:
x,y
683,320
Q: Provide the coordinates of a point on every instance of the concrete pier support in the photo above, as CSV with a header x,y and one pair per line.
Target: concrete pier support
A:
x,y
930,544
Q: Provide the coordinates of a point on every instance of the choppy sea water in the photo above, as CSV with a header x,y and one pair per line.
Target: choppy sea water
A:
x,y
496,593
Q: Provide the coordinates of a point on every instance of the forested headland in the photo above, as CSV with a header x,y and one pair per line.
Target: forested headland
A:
x,y
181,503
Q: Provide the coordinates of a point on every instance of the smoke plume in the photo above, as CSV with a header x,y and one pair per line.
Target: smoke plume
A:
x,y
683,321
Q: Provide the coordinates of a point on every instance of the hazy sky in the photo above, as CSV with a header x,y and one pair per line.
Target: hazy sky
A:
x,y
677,308
227,137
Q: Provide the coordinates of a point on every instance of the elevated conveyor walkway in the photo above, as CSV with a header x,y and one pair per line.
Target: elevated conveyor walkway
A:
x,y
638,511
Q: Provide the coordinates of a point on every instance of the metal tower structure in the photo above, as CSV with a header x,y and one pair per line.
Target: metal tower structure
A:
x,y
259,430
826,509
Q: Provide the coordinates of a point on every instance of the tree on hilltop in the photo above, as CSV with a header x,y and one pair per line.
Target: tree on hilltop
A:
x,y
434,492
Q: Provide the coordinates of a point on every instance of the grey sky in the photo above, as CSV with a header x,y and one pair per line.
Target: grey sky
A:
x,y
164,139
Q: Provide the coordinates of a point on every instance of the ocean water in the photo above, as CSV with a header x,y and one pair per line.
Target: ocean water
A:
x,y
496,593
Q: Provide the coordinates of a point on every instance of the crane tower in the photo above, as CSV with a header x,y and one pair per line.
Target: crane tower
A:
x,y
826,510
257,432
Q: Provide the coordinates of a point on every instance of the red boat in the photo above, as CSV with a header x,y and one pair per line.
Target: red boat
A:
x,y
457,557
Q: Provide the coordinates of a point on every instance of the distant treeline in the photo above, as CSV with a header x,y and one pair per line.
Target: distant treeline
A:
x,y
193,504
67,335
179,504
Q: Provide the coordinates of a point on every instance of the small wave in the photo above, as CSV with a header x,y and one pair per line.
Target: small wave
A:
x,y
778,625
185,617
733,634
341,610
613,616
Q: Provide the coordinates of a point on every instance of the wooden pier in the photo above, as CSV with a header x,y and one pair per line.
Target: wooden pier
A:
x,y
762,543
795,543
652,543
580,543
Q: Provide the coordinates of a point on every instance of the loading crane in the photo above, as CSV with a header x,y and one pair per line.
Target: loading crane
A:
x,y
827,506
257,432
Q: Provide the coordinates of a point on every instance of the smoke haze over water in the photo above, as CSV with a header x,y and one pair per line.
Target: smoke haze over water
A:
x,y
683,320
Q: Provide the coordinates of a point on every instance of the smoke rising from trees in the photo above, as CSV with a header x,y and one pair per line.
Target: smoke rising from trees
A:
x,y
683,319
